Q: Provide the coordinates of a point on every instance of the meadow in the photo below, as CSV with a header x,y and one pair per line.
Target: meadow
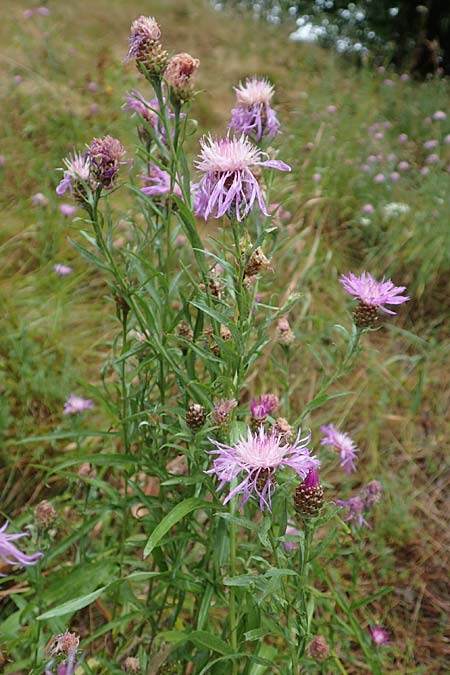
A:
x,y
368,191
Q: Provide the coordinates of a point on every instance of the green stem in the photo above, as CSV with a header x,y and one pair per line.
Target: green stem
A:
x,y
303,568
233,618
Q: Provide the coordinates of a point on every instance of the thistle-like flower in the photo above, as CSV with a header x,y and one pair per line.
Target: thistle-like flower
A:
x,y
77,404
363,503
259,456
264,405
76,174
343,443
145,45
228,185
10,554
379,635
253,114
106,156
373,296
222,411
180,73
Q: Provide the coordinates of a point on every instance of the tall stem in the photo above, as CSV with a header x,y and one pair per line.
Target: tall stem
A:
x,y
303,568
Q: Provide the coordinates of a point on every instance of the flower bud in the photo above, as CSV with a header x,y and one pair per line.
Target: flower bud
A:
x,y
44,514
179,75
308,498
318,649
195,416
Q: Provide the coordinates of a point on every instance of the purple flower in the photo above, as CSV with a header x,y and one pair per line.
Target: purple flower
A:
x,y
67,210
316,178
379,635
39,199
78,169
228,185
263,406
77,404
404,77
432,143
342,442
379,178
388,82
331,108
395,176
136,103
253,114
367,209
290,530
371,494
10,554
372,292
144,30
355,506
403,138
62,270
447,139
424,170
432,159
159,183
259,456
106,156
439,115
378,135
403,166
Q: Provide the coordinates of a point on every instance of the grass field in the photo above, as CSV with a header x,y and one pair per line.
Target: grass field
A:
x,y
63,82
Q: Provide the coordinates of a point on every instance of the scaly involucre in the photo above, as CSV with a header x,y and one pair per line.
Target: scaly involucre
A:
x,y
228,185
258,456
253,114
372,292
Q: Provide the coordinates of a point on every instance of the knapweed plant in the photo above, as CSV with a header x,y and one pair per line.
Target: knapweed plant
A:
x,y
206,541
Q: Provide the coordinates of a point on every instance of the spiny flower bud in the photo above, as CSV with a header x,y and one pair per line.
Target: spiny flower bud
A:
x,y
44,513
64,643
180,73
222,411
195,416
284,334
318,649
185,331
283,428
256,263
145,45
106,156
308,498
365,316
131,665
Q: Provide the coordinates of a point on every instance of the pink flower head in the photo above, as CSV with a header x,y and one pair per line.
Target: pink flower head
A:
x,y
136,103
159,183
403,138
78,169
378,135
316,178
395,176
367,209
76,404
259,456
331,109
67,210
39,199
93,87
447,139
425,170
432,143
403,166
379,635
371,494
404,77
342,442
43,11
388,82
62,270
106,156
379,178
263,406
10,554
277,211
228,185
144,29
372,292
439,115
253,114
433,158
355,506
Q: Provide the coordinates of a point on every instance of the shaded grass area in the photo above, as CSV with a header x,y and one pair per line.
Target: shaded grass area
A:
x,y
57,331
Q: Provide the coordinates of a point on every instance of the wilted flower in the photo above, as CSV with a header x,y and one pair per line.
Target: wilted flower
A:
x,y
77,404
62,270
10,554
379,635
106,155
372,295
222,411
180,73
76,174
131,665
253,114
44,513
259,456
39,199
228,185
63,643
318,648
283,428
256,263
284,334
342,442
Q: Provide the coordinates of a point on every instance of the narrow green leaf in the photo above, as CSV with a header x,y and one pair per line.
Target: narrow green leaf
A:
x,y
72,605
180,511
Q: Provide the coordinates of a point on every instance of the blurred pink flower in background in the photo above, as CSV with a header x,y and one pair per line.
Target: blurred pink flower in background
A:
x,y
77,404
39,199
379,178
403,166
432,159
403,138
367,208
67,210
432,143
62,270
394,176
439,115
379,635
424,170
